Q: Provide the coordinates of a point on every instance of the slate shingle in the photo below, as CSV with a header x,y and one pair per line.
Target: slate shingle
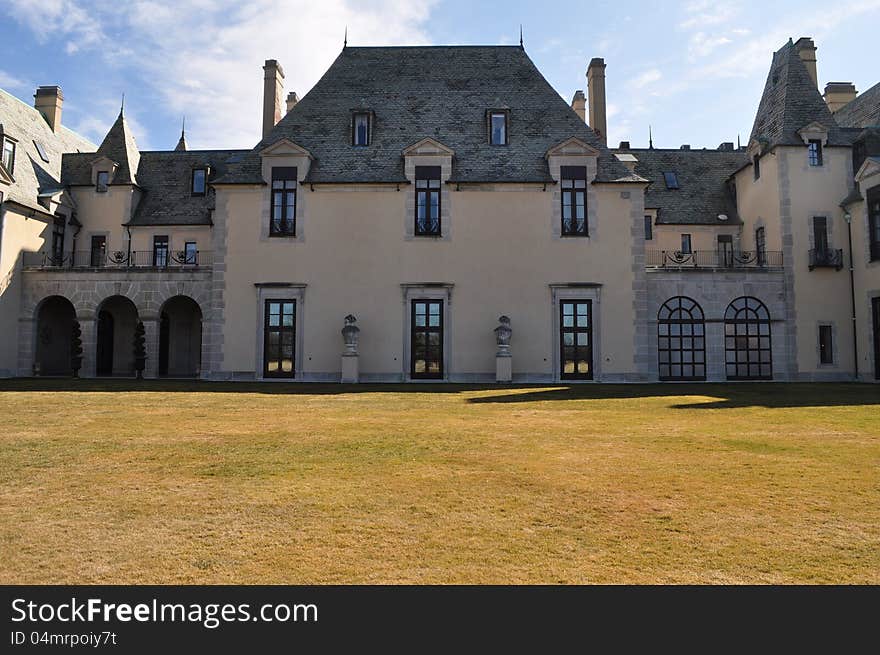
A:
x,y
863,111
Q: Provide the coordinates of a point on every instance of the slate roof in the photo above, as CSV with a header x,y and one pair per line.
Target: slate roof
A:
x,y
791,101
863,111
441,92
119,145
703,191
33,175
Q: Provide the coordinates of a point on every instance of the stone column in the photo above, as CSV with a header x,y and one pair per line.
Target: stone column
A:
x,y
89,329
350,363
715,354
503,357
26,345
151,336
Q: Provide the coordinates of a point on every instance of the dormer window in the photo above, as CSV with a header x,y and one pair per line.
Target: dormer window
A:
x,y
671,179
498,128
814,152
9,155
360,129
41,151
102,181
199,181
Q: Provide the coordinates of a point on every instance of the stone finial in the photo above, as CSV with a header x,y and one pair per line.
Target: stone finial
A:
x,y
350,334
502,336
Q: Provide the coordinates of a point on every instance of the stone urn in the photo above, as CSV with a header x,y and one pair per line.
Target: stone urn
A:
x,y
502,336
350,335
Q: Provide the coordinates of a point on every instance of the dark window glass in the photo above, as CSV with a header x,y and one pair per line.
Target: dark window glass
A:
x,y
428,200
9,155
41,151
875,319
756,166
686,244
826,353
426,339
278,339
576,339
58,240
649,229
160,251
498,128
725,250
814,152
748,353
761,246
361,129
820,234
102,181
681,340
283,218
671,179
859,154
199,181
98,254
190,254
874,222
573,185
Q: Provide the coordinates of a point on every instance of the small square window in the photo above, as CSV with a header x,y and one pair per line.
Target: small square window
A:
x,y
498,128
671,179
102,181
199,181
360,134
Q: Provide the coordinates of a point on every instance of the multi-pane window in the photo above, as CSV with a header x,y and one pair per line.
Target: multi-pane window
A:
x,y
574,201
279,338
649,229
820,234
756,166
102,181
686,244
190,253
98,253
360,129
9,155
874,222
748,354
428,200
426,337
199,181
160,251
283,219
826,351
576,339
681,340
814,152
761,246
671,179
498,128
58,240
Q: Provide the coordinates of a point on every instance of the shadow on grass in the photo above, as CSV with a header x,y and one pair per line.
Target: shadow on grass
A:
x,y
725,395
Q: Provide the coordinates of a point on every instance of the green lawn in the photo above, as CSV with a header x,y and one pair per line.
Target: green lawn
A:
x,y
146,482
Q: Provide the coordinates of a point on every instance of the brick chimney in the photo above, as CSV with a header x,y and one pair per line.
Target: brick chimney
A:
x,y
579,104
838,94
273,93
292,99
596,89
807,51
48,100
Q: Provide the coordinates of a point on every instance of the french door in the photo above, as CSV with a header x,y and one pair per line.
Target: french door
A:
x,y
278,343
875,313
576,339
426,340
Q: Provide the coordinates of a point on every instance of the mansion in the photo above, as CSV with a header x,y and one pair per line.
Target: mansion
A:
x,y
441,213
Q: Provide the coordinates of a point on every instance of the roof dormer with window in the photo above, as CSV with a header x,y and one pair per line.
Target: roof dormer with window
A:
x,y
573,164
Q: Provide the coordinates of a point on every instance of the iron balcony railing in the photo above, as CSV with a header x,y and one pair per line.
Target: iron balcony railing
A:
x,y
827,258
714,259
118,259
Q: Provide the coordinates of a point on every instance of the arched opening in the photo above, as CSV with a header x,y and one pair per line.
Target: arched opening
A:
x,y
748,354
55,319
117,319
681,340
180,338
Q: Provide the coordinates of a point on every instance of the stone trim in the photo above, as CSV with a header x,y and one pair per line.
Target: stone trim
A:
x,y
785,219
835,351
409,211
281,291
555,163
576,291
430,291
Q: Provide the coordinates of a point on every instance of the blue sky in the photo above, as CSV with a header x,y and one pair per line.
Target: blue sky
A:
x,y
694,70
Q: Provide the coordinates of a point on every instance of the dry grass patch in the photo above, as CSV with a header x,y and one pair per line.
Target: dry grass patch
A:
x,y
124,482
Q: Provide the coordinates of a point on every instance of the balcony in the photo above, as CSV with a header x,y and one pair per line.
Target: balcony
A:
x,y
714,260
117,260
827,258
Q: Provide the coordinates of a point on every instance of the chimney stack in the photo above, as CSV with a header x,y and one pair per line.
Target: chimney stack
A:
x,y
806,49
292,99
579,104
273,92
838,94
596,89
48,100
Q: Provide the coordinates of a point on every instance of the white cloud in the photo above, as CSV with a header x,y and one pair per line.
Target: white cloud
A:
x,y
701,15
645,78
8,81
702,45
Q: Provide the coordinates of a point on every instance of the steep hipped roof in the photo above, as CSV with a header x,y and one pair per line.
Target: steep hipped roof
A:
x,y
702,175
119,145
31,173
791,101
441,92
863,111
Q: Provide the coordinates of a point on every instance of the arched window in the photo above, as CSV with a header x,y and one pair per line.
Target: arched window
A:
x,y
748,355
681,340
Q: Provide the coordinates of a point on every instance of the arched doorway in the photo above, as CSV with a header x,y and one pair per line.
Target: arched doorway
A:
x,y
117,318
748,354
681,340
55,319
180,338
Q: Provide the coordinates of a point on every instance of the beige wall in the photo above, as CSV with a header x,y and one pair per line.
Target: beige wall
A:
x,y
758,203
703,237
867,280
104,214
142,237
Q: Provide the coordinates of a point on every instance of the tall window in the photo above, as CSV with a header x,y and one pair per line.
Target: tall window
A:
x,y
826,351
199,181
814,152
278,343
283,220
820,234
574,201
725,250
360,130
686,244
9,155
747,340
761,246
756,166
428,200
875,319
681,340
498,128
102,181
576,339
98,254
874,222
58,240
426,339
671,179
649,229
190,253
160,251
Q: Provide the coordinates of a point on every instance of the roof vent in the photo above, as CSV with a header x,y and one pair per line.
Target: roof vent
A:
x,y
624,145
685,146
722,217
727,146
